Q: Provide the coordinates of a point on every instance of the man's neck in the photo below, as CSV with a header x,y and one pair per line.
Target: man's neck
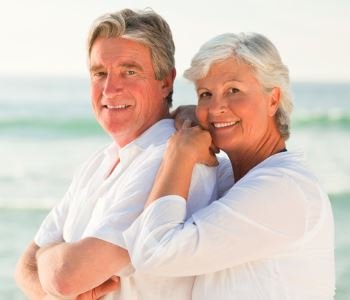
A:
x,y
124,140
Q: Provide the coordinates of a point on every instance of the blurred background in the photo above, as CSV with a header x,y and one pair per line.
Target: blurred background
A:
x,y
47,128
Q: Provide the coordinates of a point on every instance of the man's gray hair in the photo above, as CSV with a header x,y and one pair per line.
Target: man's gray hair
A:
x,y
258,52
144,26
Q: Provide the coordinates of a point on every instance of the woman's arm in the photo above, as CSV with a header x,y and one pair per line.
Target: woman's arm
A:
x,y
188,146
254,220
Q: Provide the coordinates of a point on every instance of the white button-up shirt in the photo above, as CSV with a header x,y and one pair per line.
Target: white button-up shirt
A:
x,y
102,206
270,237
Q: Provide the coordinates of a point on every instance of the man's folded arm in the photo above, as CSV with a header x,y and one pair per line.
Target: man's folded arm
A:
x,y
70,269
26,275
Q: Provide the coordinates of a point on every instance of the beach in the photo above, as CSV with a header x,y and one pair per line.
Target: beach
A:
x,y
47,130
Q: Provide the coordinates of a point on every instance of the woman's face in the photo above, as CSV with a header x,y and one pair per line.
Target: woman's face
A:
x,y
233,106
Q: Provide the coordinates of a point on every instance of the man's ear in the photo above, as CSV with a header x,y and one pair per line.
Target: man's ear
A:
x,y
274,101
168,82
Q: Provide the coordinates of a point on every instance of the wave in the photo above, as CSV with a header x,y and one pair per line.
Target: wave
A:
x,y
329,120
87,126
41,126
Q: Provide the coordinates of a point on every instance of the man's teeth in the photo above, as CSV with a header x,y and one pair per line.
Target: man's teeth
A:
x,y
224,124
121,106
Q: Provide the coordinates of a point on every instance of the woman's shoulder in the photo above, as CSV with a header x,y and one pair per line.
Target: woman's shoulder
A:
x,y
289,163
286,169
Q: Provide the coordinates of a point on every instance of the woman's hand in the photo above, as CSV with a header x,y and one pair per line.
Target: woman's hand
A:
x,y
194,144
183,113
188,146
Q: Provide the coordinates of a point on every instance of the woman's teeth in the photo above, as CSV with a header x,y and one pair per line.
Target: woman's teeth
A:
x,y
224,124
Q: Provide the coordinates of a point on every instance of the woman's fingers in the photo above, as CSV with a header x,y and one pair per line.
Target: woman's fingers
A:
x,y
211,161
182,113
214,149
186,124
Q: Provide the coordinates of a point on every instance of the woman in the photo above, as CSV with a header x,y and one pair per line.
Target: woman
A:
x,y
270,236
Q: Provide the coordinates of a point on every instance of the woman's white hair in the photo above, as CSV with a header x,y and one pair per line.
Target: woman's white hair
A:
x,y
258,52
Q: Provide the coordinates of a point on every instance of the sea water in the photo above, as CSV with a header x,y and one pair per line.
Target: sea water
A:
x,y
47,130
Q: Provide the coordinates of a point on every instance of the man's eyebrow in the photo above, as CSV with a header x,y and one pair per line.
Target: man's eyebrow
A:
x,y
132,65
95,68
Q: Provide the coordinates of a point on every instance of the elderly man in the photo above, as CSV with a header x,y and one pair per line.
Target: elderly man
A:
x,y
79,246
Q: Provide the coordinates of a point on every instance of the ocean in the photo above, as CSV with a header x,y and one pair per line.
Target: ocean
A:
x,y
47,130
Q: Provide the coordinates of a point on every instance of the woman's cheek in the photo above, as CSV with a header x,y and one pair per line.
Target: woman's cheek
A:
x,y
202,115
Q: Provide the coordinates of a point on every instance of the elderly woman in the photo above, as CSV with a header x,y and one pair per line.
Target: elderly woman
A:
x,y
270,236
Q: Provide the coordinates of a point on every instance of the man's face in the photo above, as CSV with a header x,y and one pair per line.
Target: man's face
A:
x,y
126,97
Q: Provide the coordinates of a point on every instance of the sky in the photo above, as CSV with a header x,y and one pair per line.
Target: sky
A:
x,y
47,37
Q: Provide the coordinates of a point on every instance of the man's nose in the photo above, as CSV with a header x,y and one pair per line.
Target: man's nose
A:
x,y
112,86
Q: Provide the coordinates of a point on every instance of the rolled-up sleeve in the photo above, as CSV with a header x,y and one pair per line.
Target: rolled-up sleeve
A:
x,y
258,217
51,229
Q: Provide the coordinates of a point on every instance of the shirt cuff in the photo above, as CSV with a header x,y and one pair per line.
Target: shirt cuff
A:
x,y
163,213
45,237
110,235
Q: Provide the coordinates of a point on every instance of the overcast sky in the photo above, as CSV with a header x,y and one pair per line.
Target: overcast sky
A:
x,y
46,37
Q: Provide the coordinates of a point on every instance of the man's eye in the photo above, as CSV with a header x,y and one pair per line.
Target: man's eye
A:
x,y
100,74
130,72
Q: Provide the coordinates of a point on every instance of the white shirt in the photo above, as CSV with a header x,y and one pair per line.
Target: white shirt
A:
x,y
102,206
271,236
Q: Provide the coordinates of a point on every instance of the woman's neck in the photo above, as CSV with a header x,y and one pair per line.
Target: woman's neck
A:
x,y
243,160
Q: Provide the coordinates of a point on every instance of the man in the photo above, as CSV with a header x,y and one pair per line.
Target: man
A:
x,y
79,247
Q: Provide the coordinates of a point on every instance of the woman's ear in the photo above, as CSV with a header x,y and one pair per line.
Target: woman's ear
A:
x,y
274,101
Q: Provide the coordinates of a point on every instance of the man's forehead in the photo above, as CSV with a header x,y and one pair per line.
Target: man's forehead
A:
x,y
126,63
118,44
120,51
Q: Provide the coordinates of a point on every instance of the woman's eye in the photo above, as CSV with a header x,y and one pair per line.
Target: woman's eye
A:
x,y
233,90
204,95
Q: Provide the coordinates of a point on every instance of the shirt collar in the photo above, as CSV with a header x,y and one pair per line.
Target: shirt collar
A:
x,y
156,135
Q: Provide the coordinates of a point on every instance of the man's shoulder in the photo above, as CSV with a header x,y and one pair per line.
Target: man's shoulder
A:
x,y
156,135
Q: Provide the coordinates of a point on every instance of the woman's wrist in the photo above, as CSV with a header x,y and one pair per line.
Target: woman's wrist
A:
x,y
179,154
174,176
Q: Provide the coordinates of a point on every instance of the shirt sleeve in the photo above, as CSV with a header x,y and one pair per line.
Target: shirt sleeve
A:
x,y
51,229
225,179
259,216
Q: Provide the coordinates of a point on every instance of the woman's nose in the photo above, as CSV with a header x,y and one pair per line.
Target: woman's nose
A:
x,y
218,105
